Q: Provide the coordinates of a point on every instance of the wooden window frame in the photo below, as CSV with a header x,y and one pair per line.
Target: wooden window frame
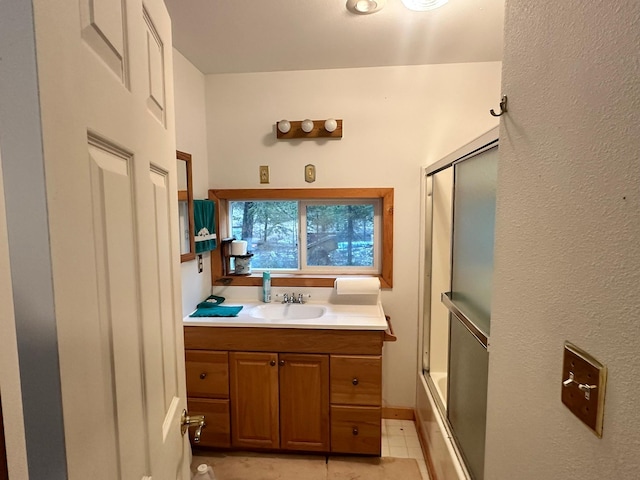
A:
x,y
222,198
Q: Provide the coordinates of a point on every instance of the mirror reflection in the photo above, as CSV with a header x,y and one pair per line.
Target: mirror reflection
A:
x,y
185,207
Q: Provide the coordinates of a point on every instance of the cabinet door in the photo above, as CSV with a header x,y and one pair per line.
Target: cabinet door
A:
x,y
304,402
254,399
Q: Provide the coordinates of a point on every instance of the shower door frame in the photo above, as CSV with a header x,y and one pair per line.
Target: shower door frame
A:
x,y
483,143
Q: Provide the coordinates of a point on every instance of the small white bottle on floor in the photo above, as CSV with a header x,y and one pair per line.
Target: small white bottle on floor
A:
x,y
204,472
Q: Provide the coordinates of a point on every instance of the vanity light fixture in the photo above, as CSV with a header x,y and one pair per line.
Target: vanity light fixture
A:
x,y
423,5
365,7
330,128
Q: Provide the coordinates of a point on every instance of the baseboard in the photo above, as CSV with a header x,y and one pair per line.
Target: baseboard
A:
x,y
398,413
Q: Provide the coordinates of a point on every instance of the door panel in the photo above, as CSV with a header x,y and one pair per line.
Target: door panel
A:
x,y
254,399
117,326
304,402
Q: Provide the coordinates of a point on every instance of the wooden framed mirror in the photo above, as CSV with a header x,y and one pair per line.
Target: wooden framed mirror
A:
x,y
185,207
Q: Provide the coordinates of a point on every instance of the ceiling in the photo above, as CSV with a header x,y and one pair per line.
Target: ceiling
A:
x,y
240,36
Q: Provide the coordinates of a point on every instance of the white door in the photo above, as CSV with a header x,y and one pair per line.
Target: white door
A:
x,y
106,97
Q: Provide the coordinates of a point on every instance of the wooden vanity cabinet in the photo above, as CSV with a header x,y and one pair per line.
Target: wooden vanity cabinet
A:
x,y
295,389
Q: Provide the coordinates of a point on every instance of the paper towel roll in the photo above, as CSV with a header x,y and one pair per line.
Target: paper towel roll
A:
x,y
238,247
357,286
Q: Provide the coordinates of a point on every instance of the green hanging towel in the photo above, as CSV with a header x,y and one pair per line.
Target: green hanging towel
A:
x,y
205,223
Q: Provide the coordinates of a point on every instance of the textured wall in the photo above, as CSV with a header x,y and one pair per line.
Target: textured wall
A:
x,y
396,119
567,263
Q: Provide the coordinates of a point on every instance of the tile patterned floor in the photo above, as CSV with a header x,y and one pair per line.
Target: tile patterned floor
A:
x,y
400,439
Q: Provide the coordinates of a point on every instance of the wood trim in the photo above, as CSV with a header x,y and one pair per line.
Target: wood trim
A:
x,y
424,445
389,336
187,195
285,340
222,197
399,413
434,441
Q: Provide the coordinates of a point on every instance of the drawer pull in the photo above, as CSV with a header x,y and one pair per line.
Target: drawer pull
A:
x,y
355,431
203,375
355,381
272,363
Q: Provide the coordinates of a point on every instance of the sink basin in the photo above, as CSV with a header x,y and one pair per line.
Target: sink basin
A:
x,y
288,311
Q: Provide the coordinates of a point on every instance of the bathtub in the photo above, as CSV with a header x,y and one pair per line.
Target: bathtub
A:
x,y
440,382
444,457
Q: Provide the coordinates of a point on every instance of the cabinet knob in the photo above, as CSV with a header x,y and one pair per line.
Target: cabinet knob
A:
x,y
272,363
355,431
355,381
282,363
203,375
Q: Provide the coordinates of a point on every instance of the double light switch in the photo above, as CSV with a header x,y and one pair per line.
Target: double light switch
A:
x,y
583,386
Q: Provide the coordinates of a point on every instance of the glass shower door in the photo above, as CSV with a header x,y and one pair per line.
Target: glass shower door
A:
x,y
470,303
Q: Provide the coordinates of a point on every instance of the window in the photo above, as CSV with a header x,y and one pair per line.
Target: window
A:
x,y
323,236
306,237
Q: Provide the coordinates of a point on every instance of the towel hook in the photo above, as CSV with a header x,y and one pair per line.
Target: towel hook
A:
x,y
503,107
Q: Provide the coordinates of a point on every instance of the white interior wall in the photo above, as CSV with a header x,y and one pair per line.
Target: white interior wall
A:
x,y
396,119
191,137
567,256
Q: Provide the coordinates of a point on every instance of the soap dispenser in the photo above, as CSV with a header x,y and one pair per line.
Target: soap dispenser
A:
x,y
266,287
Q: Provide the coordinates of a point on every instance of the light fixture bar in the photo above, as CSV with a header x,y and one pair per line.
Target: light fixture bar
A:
x,y
331,128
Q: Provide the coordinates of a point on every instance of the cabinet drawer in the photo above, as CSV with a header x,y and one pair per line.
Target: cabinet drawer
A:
x,y
356,380
217,432
356,429
207,374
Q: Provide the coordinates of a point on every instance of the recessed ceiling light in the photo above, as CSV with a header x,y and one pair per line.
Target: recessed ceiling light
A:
x,y
423,5
365,7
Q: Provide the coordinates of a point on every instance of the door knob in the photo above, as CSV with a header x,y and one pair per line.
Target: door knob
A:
x,y
187,421
355,381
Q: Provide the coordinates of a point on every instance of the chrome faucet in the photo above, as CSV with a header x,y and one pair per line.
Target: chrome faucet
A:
x,y
286,298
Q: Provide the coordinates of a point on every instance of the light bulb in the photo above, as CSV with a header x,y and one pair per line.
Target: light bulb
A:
x,y
284,126
366,6
330,125
307,125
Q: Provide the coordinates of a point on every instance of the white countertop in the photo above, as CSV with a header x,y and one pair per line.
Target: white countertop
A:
x,y
336,317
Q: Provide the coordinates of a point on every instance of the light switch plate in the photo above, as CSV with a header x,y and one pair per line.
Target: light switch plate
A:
x,y
310,173
584,380
264,173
